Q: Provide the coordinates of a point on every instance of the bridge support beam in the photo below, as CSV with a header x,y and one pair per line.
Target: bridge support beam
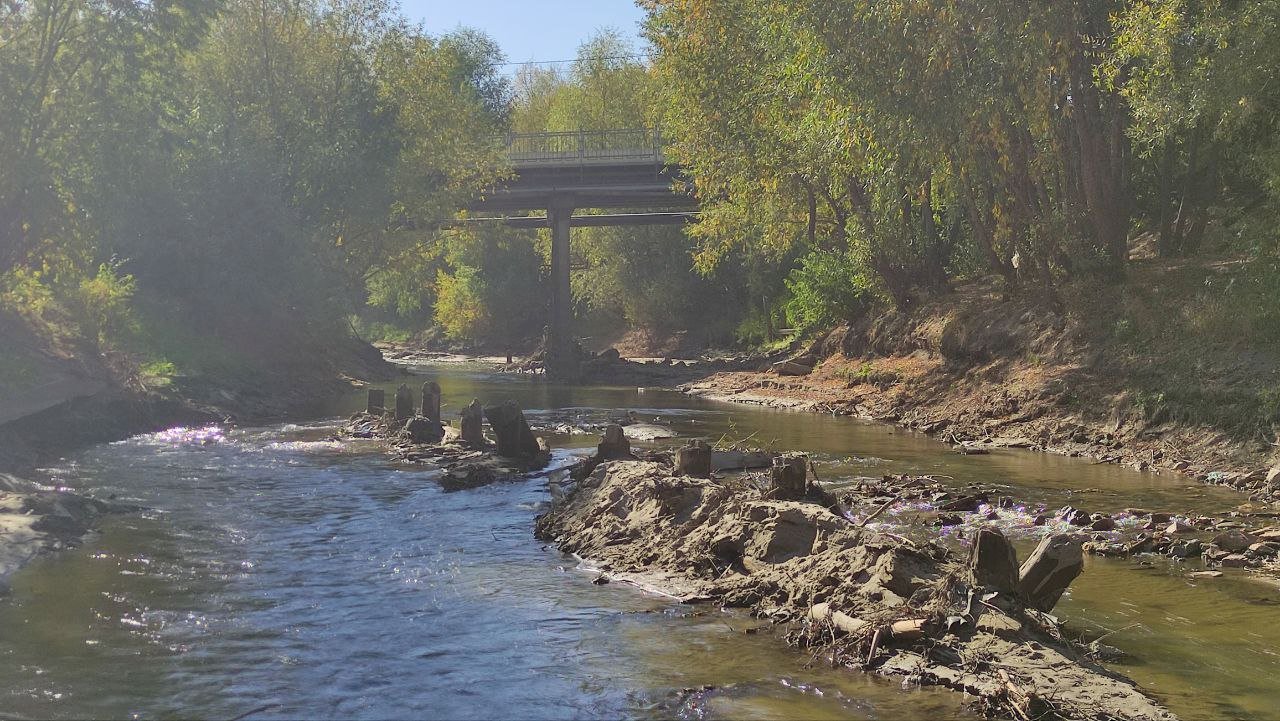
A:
x,y
562,357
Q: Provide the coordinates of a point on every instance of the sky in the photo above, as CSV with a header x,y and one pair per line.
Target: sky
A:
x,y
530,29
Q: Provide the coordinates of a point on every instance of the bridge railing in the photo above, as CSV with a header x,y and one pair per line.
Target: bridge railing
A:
x,y
585,146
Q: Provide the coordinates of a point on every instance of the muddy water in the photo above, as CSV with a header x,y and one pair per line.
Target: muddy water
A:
x,y
272,570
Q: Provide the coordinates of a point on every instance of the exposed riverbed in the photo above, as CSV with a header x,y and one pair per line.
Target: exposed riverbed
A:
x,y
284,572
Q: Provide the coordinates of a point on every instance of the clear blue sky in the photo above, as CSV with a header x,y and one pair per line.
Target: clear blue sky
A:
x,y
530,29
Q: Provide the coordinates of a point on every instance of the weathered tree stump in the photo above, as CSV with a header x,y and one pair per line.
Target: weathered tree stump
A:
x,y
473,424
790,477
1049,570
404,403
377,403
993,561
614,445
515,439
694,460
431,401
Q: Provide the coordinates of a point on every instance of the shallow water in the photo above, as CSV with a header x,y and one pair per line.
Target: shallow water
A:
x,y
273,570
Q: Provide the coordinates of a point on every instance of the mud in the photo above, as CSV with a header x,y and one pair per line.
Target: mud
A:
x,y
863,598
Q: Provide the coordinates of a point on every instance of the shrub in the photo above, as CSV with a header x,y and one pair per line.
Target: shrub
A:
x,y
826,289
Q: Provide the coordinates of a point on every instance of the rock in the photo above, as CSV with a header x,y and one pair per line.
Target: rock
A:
x,y
609,355
789,477
1273,476
1040,520
1205,574
404,403
1142,544
423,430
1186,549
1161,517
1178,528
514,438
1074,516
993,562
1049,570
1106,523
968,504
694,460
1234,560
791,368
473,424
431,401
1263,549
1233,541
377,403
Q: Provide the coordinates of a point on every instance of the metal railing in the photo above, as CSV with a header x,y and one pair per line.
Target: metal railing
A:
x,y
585,146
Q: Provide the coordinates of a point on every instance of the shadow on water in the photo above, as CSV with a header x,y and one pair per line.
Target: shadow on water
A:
x,y
277,569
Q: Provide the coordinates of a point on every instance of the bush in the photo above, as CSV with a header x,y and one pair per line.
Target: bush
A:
x,y
826,289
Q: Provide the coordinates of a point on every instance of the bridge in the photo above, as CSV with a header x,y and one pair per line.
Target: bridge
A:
x,y
603,170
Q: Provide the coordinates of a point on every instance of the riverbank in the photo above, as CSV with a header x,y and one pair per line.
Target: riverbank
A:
x,y
35,519
863,597
980,371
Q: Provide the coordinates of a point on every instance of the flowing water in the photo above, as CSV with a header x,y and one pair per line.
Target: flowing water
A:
x,y
273,573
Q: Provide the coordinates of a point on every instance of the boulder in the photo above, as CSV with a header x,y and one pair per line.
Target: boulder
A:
x,y
431,401
424,430
1103,523
404,403
609,355
1178,528
993,562
1049,570
694,460
377,403
515,439
789,477
473,424
1273,477
1233,541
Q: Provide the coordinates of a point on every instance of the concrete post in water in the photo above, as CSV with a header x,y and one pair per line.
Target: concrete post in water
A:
x,y
431,401
790,477
377,403
614,445
694,460
473,424
560,360
404,403
993,562
1049,570
515,439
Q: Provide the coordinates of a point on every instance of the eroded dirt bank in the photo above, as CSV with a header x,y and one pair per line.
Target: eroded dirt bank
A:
x,y
978,371
867,599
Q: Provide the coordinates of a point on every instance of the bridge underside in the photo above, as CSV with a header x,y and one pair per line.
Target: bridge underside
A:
x,y
559,189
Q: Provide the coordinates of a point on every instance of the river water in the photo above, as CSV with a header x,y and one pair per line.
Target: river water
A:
x,y
273,573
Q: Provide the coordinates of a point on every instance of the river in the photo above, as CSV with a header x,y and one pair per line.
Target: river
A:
x,y
274,573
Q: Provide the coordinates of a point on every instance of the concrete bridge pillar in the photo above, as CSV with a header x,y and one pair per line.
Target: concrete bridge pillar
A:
x,y
562,358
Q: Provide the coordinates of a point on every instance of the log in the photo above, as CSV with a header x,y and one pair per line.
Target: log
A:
x,y
842,621
1049,570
